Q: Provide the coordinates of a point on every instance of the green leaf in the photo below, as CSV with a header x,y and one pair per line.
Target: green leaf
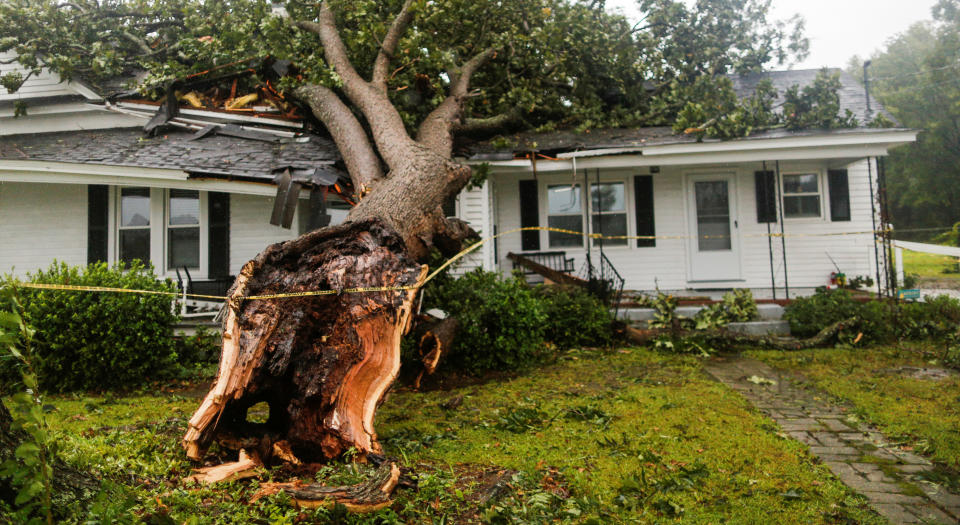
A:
x,y
27,449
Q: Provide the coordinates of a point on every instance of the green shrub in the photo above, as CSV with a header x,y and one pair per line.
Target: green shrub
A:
x,y
575,318
808,315
502,322
102,340
877,321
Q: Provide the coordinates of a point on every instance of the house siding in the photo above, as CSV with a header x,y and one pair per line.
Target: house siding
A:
x,y
32,235
250,229
666,266
46,84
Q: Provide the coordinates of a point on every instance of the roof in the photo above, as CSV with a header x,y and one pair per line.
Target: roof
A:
x,y
851,93
214,155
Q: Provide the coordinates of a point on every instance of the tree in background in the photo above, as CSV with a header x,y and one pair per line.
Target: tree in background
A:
x,y
917,78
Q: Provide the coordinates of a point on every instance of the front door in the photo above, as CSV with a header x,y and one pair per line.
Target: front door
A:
x,y
714,247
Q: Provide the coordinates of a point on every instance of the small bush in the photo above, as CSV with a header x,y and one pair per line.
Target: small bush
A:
x,y
574,317
878,321
502,322
89,341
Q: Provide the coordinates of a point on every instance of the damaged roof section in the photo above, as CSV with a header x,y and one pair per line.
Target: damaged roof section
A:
x,y
217,156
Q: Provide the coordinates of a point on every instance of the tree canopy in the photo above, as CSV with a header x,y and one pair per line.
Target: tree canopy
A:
x,y
557,63
915,77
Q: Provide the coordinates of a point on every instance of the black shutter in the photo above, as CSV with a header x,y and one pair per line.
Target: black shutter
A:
x,y
97,222
839,195
529,215
218,235
643,199
766,187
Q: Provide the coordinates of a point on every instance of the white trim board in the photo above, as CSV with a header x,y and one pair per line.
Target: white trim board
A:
x,y
937,249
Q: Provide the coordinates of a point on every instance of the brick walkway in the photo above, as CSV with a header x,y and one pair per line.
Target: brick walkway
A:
x,y
856,454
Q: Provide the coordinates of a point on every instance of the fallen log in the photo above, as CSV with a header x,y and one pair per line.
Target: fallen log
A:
x,y
371,495
435,343
722,335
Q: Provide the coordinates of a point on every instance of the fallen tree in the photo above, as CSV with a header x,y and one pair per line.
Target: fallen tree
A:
x,y
728,338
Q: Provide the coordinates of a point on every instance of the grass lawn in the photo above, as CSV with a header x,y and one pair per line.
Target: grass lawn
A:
x,y
922,413
629,436
930,266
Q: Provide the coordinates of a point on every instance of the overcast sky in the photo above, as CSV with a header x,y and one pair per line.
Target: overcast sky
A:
x,y
839,29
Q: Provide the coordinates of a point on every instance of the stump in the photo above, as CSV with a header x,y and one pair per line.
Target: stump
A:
x,y
321,362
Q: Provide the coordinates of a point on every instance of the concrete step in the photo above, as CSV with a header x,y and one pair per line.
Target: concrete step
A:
x,y
768,312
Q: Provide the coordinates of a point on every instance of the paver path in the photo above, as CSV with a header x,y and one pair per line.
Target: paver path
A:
x,y
856,454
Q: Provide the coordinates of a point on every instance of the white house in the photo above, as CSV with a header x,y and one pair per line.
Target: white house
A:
x,y
80,182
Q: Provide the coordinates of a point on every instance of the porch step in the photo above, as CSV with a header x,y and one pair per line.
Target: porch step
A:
x,y
761,328
768,312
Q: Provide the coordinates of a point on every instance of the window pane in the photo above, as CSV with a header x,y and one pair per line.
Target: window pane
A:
x,y
567,222
610,224
805,206
184,207
184,247
135,244
134,207
713,215
608,197
563,199
806,183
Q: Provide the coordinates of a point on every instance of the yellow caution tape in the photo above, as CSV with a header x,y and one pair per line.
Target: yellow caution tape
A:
x,y
463,253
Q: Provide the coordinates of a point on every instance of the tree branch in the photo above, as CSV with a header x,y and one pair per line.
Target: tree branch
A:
x,y
389,45
352,141
389,133
489,124
436,131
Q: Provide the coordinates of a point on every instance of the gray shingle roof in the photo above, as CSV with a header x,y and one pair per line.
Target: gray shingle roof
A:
x,y
851,92
851,95
218,156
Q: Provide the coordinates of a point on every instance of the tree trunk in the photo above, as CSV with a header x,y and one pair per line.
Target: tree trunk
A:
x,y
321,363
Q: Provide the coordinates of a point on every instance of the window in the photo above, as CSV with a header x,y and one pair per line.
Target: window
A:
x,y
564,211
169,228
134,227
608,205
183,229
801,195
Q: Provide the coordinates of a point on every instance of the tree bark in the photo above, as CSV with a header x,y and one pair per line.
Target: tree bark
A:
x,y
322,363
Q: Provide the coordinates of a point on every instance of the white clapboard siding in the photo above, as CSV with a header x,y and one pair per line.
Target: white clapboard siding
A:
x,y
40,223
250,229
666,265
46,84
473,206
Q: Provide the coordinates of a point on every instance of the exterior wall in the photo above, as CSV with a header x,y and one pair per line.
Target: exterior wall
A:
x,y
46,84
474,206
667,264
250,229
40,223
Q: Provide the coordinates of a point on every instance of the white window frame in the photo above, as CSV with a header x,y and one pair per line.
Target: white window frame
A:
x,y
159,238
586,204
627,205
821,194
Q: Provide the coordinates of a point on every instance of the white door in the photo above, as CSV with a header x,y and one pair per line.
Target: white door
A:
x,y
714,243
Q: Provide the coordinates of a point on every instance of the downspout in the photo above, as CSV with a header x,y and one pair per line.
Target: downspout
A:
x,y
873,218
783,234
885,225
773,278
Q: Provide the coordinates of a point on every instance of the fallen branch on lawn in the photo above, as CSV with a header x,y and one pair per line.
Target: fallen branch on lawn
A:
x,y
723,335
371,495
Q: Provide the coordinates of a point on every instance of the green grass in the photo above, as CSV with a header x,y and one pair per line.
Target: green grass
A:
x,y
922,413
928,265
624,437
